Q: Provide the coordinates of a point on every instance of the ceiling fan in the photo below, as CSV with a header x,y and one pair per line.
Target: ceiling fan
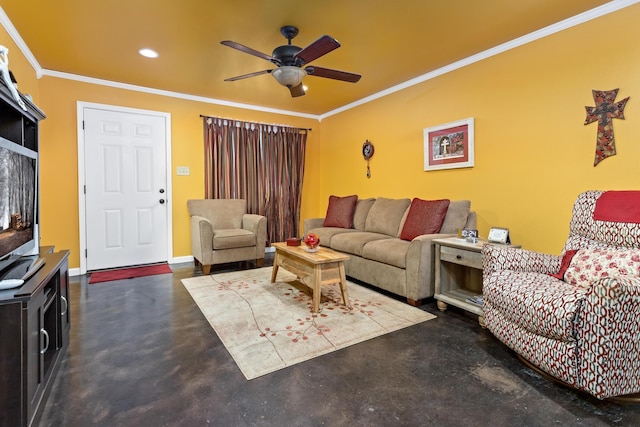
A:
x,y
291,61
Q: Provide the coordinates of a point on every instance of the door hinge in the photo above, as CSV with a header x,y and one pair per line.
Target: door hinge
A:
x,y
83,125
86,253
85,188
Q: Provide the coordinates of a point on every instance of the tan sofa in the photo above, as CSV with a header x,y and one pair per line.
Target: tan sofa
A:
x,y
378,256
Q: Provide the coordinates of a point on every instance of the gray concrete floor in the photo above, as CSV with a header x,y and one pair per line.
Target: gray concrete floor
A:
x,y
142,354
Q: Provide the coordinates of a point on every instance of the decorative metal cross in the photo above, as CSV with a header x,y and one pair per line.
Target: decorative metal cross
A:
x,y
605,110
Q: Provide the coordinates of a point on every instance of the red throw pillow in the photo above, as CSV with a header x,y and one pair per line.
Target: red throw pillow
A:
x,y
424,217
340,211
566,260
618,206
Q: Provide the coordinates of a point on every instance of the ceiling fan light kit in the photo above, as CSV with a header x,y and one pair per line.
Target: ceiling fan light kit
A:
x,y
291,59
288,75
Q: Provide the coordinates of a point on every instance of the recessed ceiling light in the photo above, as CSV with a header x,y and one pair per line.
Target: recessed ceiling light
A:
x,y
148,53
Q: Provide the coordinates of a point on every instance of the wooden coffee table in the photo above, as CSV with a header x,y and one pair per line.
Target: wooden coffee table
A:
x,y
314,269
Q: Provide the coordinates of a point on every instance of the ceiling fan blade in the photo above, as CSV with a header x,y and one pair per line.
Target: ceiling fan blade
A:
x,y
297,91
315,50
246,76
245,49
333,74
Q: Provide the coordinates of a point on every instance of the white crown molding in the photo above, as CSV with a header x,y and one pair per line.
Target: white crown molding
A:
x,y
17,39
605,9
167,93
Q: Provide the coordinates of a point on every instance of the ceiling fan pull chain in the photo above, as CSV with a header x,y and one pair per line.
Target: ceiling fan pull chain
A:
x,y
368,170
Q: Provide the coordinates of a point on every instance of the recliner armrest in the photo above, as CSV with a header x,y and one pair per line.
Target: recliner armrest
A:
x,y
496,258
607,324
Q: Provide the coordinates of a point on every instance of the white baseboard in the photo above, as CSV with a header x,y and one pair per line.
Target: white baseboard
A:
x,y
181,259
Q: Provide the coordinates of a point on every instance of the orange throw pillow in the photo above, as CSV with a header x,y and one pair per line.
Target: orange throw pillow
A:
x,y
424,217
340,211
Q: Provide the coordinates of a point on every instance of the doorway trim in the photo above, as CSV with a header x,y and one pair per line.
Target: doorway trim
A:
x,y
81,105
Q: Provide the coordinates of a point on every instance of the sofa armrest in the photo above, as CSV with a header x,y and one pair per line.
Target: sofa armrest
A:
x,y
608,323
420,262
257,224
472,220
311,223
496,258
201,237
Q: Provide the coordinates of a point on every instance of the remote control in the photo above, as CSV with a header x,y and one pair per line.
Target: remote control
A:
x,y
10,283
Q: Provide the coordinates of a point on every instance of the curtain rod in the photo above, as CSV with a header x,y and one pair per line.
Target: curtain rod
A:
x,y
253,123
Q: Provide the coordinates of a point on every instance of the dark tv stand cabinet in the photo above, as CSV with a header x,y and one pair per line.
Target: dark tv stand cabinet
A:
x,y
34,335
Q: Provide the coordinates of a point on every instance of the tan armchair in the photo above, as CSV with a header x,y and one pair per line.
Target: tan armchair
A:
x,y
222,231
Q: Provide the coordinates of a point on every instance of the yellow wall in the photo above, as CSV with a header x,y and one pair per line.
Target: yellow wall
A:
x,y
59,159
533,153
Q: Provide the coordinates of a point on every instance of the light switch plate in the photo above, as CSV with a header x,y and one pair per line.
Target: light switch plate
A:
x,y
183,170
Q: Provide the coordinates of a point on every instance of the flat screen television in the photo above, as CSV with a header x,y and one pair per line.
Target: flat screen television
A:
x,y
18,203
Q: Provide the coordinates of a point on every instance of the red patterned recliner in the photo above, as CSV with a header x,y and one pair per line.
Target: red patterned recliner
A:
x,y
582,326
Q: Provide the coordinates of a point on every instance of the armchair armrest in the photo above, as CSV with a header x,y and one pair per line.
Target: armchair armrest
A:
x,y
608,323
251,222
201,237
496,258
257,224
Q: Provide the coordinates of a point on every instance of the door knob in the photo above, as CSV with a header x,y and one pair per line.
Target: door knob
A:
x,y
162,201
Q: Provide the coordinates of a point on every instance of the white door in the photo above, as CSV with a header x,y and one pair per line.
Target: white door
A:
x,y
125,178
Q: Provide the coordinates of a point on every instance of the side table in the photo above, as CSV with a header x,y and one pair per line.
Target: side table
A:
x,y
458,271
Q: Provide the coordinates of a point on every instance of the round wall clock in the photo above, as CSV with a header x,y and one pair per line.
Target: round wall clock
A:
x,y
367,153
367,150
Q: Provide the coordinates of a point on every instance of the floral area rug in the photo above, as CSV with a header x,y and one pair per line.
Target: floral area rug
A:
x,y
268,326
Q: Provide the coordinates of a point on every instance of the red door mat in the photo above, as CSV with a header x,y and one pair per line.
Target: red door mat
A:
x,y
129,273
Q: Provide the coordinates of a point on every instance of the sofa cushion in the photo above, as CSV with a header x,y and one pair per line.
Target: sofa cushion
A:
x,y
424,217
340,211
233,238
536,302
387,251
385,215
362,210
353,243
326,233
456,216
590,265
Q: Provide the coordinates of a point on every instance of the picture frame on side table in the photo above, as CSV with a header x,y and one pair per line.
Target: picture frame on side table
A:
x,y
449,146
499,235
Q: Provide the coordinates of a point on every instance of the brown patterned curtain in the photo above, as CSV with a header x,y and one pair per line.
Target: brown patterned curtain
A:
x,y
261,163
